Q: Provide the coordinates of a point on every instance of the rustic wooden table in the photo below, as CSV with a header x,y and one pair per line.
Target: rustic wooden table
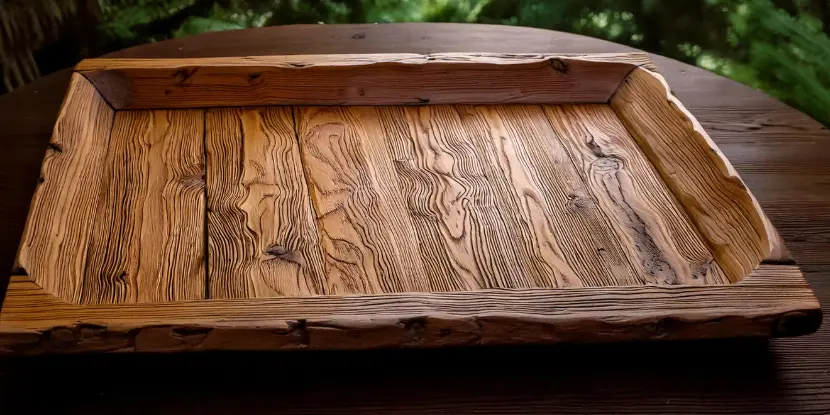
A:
x,y
782,155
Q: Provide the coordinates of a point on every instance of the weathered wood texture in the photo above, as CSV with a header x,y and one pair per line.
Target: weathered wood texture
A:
x,y
368,240
263,238
370,200
388,224
447,198
386,79
449,172
775,300
147,238
660,239
127,209
528,165
55,243
718,201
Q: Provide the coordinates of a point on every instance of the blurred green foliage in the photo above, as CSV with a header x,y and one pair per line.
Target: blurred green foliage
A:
x,y
779,46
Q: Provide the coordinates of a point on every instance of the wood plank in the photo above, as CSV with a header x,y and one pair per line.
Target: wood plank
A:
x,y
658,236
468,232
53,250
713,194
263,238
567,226
379,79
437,194
369,243
148,237
775,300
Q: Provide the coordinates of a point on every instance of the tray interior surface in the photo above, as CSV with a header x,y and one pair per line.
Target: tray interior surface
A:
x,y
296,201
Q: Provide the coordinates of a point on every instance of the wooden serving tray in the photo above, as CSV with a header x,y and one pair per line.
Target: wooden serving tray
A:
x,y
361,201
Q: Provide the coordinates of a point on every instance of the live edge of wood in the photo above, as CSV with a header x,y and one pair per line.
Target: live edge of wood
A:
x,y
774,300
383,79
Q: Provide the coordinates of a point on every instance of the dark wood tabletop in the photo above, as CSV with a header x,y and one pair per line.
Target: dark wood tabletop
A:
x,y
783,156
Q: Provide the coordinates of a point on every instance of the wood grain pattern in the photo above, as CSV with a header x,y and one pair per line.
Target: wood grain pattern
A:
x,y
263,237
534,171
656,233
775,300
470,232
54,246
147,238
369,243
714,196
381,79
436,189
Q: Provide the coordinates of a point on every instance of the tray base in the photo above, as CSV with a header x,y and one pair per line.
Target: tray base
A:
x,y
298,201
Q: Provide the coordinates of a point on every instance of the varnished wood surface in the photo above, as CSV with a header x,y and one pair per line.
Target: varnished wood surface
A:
x,y
386,79
780,154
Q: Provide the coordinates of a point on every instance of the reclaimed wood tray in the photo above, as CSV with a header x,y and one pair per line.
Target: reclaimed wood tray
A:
x,y
361,201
